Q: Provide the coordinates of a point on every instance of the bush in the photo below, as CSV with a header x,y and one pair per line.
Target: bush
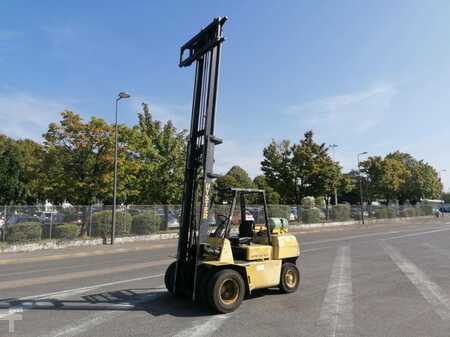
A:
x,y
279,211
310,215
145,223
341,212
408,212
23,232
385,213
66,231
426,210
308,202
101,223
320,202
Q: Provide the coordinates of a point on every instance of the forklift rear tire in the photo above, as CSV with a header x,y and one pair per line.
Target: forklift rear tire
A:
x,y
226,290
169,277
290,278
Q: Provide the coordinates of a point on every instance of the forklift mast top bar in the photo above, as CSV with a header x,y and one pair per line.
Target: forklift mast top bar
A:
x,y
204,41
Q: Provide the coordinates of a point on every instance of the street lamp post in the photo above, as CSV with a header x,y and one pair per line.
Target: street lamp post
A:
x,y
298,183
360,185
334,146
122,95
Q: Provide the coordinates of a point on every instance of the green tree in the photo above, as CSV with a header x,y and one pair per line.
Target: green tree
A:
x,y
235,177
307,163
19,167
78,160
161,151
272,196
446,197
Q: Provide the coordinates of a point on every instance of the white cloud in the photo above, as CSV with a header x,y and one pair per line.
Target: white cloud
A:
x,y
246,155
363,109
179,114
27,116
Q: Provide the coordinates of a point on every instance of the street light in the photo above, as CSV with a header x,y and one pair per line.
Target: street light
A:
x,y
360,185
122,95
334,146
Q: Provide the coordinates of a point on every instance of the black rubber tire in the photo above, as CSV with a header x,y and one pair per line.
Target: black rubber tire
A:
x,y
215,284
169,277
289,270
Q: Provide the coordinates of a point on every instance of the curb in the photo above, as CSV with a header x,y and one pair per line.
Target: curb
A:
x,y
30,247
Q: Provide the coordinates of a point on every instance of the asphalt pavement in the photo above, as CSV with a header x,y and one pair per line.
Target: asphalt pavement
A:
x,y
389,279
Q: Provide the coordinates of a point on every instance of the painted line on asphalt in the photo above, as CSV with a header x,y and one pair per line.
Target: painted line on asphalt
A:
x,y
79,275
336,314
347,238
315,249
418,234
430,290
360,236
71,255
87,323
207,328
70,292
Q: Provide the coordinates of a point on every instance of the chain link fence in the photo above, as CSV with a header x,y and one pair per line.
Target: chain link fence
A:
x,y
34,223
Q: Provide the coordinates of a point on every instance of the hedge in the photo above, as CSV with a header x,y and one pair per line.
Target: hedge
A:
x,y
341,212
101,223
23,232
279,211
310,215
408,212
385,213
426,210
145,223
308,202
66,231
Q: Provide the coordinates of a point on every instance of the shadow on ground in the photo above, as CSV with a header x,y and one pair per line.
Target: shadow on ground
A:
x,y
155,301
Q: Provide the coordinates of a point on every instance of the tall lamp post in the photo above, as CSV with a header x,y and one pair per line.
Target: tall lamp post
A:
x,y
360,185
122,95
334,146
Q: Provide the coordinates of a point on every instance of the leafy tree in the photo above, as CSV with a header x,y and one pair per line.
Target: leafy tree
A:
x,y
400,176
277,168
272,196
161,151
446,197
308,162
78,160
235,177
19,167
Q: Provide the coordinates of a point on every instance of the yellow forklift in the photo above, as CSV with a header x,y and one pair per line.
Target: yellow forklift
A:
x,y
220,267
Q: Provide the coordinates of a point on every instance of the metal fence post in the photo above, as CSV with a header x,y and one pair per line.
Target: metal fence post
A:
x,y
51,225
90,220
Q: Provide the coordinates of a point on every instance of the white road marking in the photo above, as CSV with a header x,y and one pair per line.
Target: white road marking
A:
x,y
70,292
336,314
347,238
360,236
431,291
88,323
315,249
204,329
418,234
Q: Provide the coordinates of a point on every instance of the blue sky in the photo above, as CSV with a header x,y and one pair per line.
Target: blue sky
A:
x,y
366,75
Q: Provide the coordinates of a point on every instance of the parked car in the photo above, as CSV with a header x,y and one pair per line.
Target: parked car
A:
x,y
18,218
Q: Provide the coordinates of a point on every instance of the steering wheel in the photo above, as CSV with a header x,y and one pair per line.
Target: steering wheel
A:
x,y
220,230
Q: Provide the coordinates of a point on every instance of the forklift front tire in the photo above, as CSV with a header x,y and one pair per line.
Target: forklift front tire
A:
x,y
226,290
290,278
169,277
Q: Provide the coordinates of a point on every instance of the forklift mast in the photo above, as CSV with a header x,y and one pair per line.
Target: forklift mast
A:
x,y
204,50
